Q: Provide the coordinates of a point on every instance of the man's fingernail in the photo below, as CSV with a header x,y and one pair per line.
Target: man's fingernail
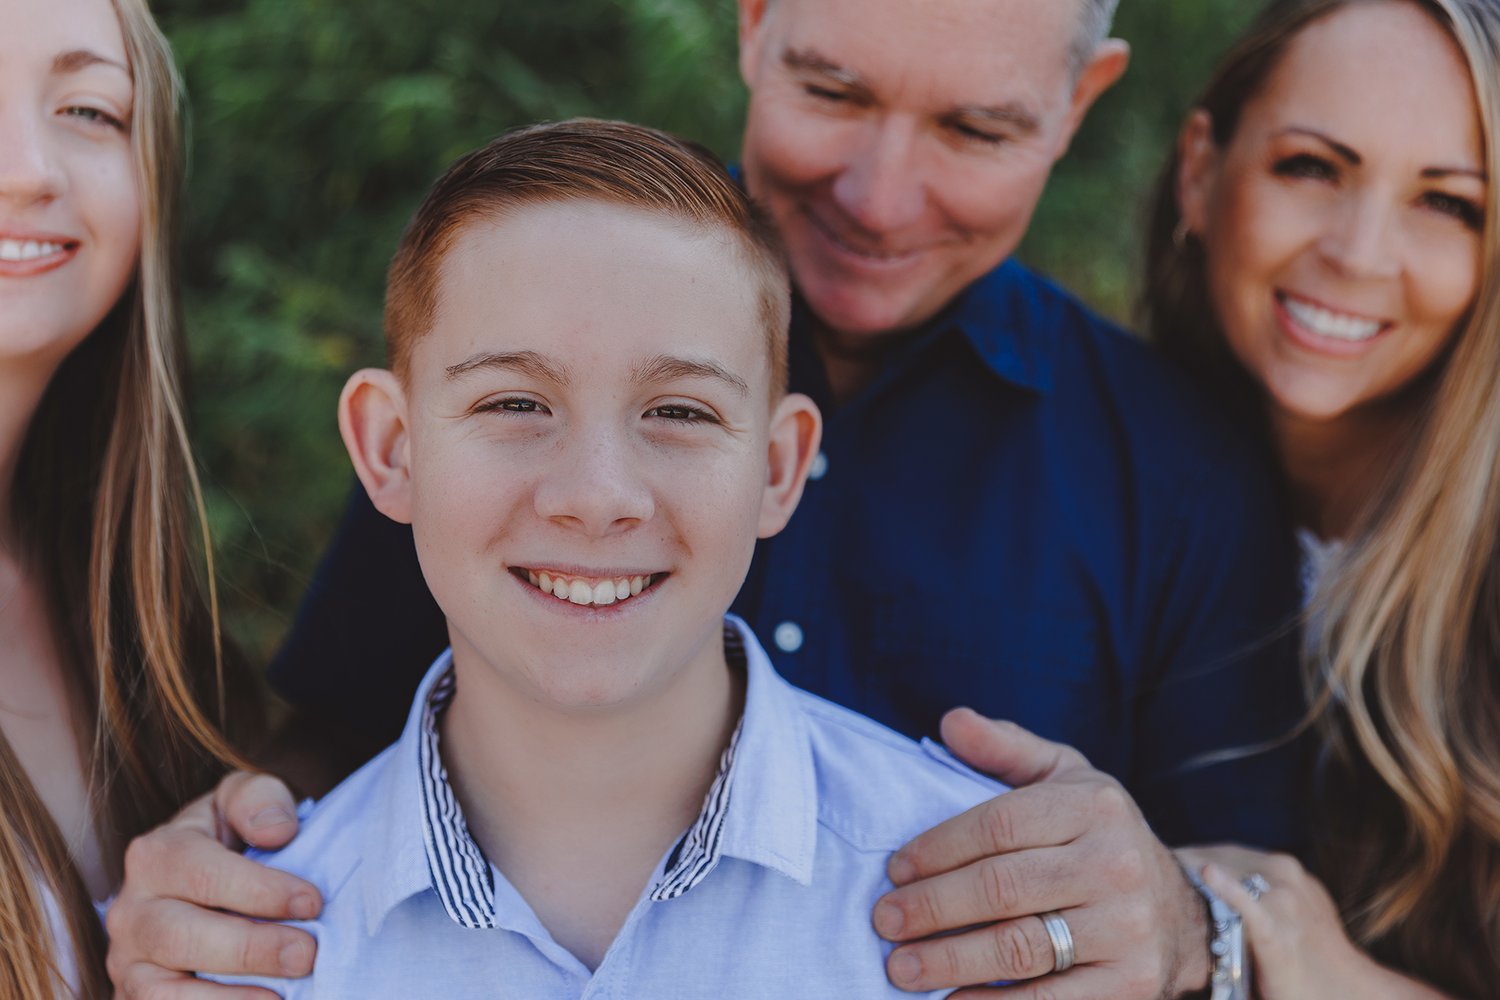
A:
x,y
904,968
296,958
270,816
888,920
303,907
901,870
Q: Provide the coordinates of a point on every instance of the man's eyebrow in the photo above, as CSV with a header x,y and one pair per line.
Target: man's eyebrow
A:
x,y
528,363
812,61
78,59
663,368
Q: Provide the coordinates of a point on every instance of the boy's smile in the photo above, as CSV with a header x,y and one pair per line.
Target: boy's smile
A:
x,y
584,444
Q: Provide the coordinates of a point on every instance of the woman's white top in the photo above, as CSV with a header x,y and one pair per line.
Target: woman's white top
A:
x,y
1317,555
62,941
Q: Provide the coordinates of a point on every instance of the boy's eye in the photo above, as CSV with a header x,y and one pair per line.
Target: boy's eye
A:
x,y
510,404
1305,165
676,411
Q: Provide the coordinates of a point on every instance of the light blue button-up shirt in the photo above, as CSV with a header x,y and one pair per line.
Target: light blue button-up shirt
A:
x,y
768,895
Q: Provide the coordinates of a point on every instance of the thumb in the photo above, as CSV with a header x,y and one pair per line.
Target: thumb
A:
x,y
257,809
1004,750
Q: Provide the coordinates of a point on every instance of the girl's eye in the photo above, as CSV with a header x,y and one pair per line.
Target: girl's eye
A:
x,y
510,404
686,414
92,114
1305,165
1462,209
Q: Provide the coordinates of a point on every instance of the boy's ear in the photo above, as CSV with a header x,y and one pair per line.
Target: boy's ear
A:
x,y
796,432
373,422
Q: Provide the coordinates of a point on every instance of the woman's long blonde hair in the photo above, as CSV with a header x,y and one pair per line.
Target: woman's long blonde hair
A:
x,y
110,518
1405,669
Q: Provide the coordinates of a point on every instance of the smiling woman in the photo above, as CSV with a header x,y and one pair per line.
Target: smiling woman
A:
x,y
1325,250
110,652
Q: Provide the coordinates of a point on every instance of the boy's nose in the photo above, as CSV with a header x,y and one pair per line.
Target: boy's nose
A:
x,y
593,487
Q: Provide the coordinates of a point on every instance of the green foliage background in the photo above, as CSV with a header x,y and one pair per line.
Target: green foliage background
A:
x,y
318,124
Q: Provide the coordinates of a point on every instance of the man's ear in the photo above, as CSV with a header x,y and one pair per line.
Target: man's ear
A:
x,y
752,38
796,432
1104,69
1197,162
373,422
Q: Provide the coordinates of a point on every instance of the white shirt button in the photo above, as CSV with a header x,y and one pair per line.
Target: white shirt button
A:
x,y
819,467
788,637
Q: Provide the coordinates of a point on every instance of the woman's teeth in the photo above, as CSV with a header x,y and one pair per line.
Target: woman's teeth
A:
x,y
24,250
1326,323
592,593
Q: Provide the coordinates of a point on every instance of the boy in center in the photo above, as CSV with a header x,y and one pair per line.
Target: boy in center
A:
x,y
603,788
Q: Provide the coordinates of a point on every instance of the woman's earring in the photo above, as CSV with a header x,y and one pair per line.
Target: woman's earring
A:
x,y
1180,233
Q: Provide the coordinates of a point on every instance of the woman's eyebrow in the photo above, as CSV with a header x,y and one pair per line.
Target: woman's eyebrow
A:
x,y
1344,152
78,59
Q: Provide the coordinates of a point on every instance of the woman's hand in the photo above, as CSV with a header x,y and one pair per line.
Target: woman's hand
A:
x,y
1297,941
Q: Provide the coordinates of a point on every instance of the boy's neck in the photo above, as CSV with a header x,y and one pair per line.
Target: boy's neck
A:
x,y
577,808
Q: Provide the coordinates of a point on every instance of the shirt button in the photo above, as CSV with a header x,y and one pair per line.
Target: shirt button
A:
x,y
788,637
819,467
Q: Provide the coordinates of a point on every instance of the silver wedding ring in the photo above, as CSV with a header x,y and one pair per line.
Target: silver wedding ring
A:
x,y
1061,938
1256,885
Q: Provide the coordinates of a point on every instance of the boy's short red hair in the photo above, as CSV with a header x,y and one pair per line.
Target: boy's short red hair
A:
x,y
581,159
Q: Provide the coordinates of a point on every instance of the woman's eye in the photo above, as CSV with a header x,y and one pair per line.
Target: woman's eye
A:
x,y
92,114
1462,209
1305,165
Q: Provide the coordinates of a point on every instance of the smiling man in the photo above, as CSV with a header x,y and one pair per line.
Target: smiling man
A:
x,y
1016,507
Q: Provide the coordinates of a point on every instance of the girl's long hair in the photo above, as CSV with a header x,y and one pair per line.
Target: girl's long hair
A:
x,y
1404,669
111,523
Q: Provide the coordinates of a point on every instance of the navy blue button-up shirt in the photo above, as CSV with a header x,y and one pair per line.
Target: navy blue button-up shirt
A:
x,y
1027,512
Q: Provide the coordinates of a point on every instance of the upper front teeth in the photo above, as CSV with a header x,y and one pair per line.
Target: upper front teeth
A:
x,y
17,250
596,593
1326,323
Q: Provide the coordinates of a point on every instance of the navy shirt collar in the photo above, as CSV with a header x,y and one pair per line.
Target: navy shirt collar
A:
x,y
997,316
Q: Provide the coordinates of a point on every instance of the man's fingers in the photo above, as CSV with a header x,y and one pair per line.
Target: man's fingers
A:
x,y
1079,983
257,808
1011,950
1037,816
188,938
150,982
1005,750
994,888
178,862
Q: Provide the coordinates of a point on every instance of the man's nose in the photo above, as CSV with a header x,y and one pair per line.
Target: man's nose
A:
x,y
1361,239
881,187
29,170
594,485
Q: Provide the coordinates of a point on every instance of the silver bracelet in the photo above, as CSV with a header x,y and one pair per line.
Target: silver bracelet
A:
x,y
1230,978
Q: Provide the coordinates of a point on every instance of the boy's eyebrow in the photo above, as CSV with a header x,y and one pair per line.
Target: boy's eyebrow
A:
x,y
664,367
528,363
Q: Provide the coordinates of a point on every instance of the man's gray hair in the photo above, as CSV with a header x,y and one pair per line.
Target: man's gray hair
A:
x,y
1095,17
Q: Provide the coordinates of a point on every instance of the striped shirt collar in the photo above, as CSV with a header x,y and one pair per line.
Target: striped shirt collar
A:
x,y
761,806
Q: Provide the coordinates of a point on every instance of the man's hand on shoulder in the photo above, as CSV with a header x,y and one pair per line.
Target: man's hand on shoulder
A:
x,y
1068,839
167,922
